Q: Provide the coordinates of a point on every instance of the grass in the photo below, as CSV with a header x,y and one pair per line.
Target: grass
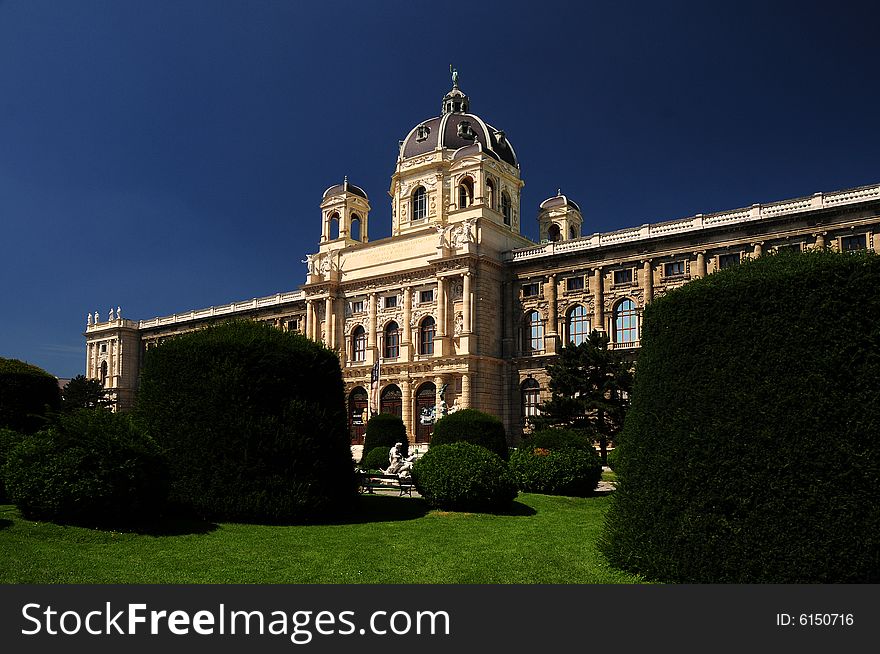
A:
x,y
544,539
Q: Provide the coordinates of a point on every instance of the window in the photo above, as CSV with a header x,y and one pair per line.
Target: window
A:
x,y
578,325
505,207
354,230
490,193
426,336
103,372
391,346
358,344
334,226
534,333
553,232
390,301
728,260
853,243
465,193
426,296
572,232
357,306
626,322
531,289
673,268
103,348
420,204
624,276
531,398
574,284
293,325
789,247
391,401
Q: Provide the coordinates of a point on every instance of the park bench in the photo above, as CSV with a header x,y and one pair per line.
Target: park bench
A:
x,y
369,482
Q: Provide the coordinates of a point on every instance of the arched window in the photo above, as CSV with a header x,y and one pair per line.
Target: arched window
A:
x,y
426,405
354,231
465,193
103,372
626,322
358,344
531,398
426,336
334,226
490,193
572,232
391,341
505,207
357,414
578,325
553,232
420,204
533,336
391,401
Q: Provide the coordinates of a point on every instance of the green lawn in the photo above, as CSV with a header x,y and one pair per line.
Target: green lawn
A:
x,y
392,540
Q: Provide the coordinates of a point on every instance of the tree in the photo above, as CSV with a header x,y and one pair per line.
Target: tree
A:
x,y
27,394
82,393
590,386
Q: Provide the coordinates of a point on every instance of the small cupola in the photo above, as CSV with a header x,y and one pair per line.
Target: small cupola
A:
x,y
559,219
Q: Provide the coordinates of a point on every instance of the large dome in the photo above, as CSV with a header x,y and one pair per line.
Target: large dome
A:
x,y
456,129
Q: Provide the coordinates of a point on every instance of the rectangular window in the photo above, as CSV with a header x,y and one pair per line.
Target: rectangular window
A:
x,y
728,260
673,268
357,306
390,301
426,296
293,325
853,243
103,347
789,247
574,284
531,290
624,276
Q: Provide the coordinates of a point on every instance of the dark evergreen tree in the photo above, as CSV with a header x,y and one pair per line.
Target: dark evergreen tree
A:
x,y
82,393
590,385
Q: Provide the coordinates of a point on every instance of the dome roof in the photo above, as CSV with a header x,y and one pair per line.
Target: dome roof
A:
x,y
345,187
455,128
558,200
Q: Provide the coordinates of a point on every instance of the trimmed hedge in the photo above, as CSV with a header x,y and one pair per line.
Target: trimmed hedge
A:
x,y
8,440
26,393
91,467
377,459
751,452
253,422
557,439
565,471
384,430
464,477
611,459
472,426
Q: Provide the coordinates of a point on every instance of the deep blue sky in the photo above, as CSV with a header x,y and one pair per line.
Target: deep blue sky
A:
x,y
169,155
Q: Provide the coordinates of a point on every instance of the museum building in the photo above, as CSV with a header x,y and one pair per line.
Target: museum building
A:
x,y
457,306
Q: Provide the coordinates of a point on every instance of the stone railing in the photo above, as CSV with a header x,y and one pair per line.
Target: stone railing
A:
x,y
700,221
224,309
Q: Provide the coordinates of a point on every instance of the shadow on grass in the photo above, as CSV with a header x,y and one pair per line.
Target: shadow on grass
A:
x,y
518,508
4,523
382,508
174,526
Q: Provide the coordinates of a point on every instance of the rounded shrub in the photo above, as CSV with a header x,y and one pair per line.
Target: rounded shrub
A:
x,y
90,467
750,454
377,459
471,426
384,430
26,394
253,422
612,459
8,440
464,477
557,439
565,471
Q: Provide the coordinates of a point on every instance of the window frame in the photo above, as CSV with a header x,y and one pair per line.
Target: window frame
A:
x,y
625,322
426,347
359,344
582,321
391,341
419,204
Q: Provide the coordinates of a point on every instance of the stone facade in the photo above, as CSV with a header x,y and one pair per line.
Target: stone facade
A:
x,y
457,301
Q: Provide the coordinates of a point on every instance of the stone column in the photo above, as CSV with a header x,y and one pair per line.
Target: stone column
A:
x,y
406,405
599,294
551,334
329,322
371,337
466,303
648,281
325,229
701,265
441,307
465,401
438,382
309,319
406,345
820,240
758,249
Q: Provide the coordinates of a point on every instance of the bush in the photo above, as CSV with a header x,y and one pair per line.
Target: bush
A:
x,y
472,426
557,439
565,471
90,467
8,440
26,393
253,422
464,477
377,459
384,430
612,459
751,452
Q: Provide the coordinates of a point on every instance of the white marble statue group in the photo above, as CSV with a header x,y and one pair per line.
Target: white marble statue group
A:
x,y
398,464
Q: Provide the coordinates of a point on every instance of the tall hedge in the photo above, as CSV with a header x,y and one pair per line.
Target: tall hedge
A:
x,y
26,392
751,453
472,426
253,422
384,430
